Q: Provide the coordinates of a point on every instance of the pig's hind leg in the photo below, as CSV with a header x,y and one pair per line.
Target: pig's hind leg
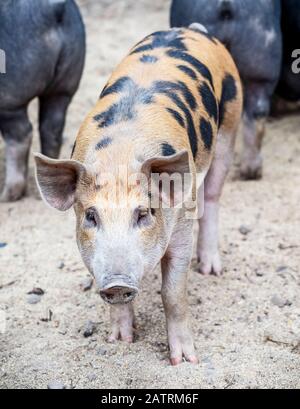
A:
x,y
17,134
53,110
257,108
208,240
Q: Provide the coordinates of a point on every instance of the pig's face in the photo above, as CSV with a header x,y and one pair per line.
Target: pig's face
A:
x,y
118,241
120,235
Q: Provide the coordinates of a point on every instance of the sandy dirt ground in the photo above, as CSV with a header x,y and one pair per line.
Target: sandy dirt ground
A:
x,y
246,323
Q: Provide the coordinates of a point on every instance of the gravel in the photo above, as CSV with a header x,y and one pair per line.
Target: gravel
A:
x,y
86,284
56,385
89,329
33,299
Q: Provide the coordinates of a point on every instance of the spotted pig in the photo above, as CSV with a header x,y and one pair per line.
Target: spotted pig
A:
x,y
172,107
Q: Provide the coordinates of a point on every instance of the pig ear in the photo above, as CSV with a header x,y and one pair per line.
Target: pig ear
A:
x,y
178,165
57,180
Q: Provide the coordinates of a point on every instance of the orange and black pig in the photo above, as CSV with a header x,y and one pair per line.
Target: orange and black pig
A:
x,y
172,107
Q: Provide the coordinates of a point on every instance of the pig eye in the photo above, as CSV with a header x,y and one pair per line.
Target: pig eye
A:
x,y
142,215
91,217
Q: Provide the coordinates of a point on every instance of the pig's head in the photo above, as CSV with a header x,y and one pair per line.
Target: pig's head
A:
x,y
119,235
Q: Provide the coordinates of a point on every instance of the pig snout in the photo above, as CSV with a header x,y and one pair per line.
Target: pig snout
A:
x,y
118,292
118,295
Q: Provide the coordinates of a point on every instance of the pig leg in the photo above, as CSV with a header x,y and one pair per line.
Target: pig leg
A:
x,y
175,266
254,131
122,323
257,108
17,133
53,111
208,246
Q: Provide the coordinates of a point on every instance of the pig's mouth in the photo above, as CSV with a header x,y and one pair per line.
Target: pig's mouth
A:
x,y
118,294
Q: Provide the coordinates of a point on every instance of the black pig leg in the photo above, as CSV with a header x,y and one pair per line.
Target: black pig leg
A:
x,y
256,111
53,111
17,133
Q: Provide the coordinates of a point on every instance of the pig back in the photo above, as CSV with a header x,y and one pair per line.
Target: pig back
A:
x,y
38,38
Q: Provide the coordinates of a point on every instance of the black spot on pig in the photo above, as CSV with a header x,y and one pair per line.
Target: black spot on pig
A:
x,y
103,144
229,93
209,101
188,71
167,149
206,133
178,44
163,87
189,97
162,39
114,115
116,87
200,67
148,59
143,48
131,95
177,116
177,86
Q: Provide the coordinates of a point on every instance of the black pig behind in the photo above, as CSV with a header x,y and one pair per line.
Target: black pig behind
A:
x,y
44,46
251,31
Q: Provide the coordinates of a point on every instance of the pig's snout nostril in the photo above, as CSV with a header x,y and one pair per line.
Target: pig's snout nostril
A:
x,y
118,294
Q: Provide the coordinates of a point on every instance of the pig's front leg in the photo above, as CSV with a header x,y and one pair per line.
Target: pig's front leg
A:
x,y
122,323
175,266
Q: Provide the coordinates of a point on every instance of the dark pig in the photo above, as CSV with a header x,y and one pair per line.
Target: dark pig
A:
x,y
251,31
42,46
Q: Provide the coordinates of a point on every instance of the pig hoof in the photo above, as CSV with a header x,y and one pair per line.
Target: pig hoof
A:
x,y
123,334
122,323
181,345
210,264
13,193
178,360
252,171
112,339
251,174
